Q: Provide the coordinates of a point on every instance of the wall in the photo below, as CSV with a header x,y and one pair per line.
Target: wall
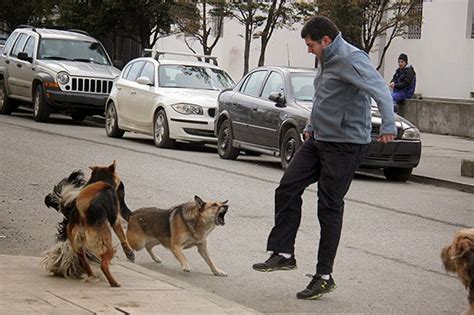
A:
x,y
444,56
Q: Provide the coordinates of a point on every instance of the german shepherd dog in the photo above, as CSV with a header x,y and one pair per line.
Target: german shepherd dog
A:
x,y
178,228
90,212
458,257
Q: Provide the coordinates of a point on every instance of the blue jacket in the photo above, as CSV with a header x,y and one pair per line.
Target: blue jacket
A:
x,y
344,84
405,80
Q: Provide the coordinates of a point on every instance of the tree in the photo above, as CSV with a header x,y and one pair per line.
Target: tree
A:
x,y
14,13
199,21
363,21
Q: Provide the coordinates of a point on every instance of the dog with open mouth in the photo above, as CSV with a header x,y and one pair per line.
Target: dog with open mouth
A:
x,y
181,227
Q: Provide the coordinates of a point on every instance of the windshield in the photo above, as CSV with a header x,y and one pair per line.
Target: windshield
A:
x,y
62,49
302,85
194,77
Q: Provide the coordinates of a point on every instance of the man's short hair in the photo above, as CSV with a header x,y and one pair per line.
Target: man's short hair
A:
x,y
319,26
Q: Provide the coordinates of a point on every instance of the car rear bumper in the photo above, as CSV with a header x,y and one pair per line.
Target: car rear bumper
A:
x,y
77,101
398,153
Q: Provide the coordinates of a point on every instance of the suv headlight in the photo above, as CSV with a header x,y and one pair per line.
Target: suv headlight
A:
x,y
187,109
63,77
411,134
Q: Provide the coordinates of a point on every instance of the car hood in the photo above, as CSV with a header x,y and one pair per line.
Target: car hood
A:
x,y
308,105
84,69
400,122
205,98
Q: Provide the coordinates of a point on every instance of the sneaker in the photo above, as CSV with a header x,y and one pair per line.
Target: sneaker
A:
x,y
276,262
316,288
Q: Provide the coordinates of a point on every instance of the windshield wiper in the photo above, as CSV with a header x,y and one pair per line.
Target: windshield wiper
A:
x,y
56,58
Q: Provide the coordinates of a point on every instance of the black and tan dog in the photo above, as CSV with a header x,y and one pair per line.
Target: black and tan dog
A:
x,y
178,228
458,257
91,210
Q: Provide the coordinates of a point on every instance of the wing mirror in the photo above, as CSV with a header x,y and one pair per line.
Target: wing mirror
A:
x,y
24,56
278,98
144,81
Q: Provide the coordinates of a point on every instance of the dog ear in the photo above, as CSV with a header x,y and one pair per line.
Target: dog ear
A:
x,y
112,167
463,247
199,202
75,176
225,202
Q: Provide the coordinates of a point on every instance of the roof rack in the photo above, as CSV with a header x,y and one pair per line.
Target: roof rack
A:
x,y
79,31
159,53
26,26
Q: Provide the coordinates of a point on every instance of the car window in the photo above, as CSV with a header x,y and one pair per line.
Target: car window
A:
x,y
9,43
274,84
19,44
194,77
76,50
126,70
149,72
30,46
302,86
132,74
253,84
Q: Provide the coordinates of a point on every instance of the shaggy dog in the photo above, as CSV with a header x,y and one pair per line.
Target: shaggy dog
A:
x,y
90,211
458,257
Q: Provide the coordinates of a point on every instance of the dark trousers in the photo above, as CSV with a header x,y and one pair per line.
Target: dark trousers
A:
x,y
333,166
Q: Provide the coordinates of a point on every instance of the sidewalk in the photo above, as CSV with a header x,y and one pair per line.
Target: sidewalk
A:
x,y
440,162
26,288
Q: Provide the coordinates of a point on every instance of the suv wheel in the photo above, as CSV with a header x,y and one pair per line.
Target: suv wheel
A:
x,y
111,123
161,132
40,105
78,116
289,145
6,103
397,174
224,142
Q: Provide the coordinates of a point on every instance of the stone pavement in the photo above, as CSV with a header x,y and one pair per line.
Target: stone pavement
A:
x,y
26,288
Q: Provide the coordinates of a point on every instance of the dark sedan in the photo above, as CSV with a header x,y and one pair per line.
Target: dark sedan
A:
x,y
266,112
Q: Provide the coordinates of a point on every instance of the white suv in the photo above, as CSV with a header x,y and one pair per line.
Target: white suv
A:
x,y
55,71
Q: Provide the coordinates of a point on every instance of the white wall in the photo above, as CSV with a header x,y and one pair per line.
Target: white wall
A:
x,y
284,44
444,56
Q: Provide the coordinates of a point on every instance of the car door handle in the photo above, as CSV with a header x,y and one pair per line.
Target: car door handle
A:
x,y
133,91
118,87
18,65
7,61
255,109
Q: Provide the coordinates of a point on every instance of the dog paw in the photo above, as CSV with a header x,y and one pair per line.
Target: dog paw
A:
x,y
130,254
186,269
220,273
92,279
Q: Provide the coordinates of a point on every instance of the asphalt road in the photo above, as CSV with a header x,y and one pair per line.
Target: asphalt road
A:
x,y
388,259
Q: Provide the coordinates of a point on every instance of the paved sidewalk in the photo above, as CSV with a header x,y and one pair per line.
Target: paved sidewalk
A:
x,y
26,288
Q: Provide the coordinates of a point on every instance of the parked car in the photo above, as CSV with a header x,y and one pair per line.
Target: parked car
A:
x,y
267,111
55,71
167,99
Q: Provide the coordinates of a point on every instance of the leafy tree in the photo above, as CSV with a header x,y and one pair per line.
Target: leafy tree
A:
x,y
199,21
14,13
363,21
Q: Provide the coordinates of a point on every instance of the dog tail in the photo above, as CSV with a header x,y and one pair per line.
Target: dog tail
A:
x,y
61,260
125,211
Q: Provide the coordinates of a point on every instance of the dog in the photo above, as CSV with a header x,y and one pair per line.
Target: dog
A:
x,y
458,258
178,228
90,210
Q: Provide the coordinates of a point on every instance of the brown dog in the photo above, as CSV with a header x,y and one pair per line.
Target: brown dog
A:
x,y
178,228
459,258
96,211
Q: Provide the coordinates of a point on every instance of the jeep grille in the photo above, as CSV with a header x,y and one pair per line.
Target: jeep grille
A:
x,y
89,85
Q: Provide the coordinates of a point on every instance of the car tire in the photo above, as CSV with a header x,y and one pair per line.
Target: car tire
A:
x,y
7,105
78,116
40,105
397,174
289,145
111,123
225,138
161,131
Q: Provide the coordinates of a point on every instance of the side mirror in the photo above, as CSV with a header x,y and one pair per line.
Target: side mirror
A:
x,y
144,81
24,56
278,98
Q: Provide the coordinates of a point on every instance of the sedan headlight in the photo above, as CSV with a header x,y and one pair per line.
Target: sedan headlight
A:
x,y
187,109
63,77
411,134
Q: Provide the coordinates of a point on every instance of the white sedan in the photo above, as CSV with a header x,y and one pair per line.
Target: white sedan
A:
x,y
167,99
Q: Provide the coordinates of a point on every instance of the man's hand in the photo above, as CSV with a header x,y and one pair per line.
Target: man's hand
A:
x,y
307,135
385,138
391,85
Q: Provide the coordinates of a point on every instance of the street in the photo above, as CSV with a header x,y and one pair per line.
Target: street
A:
x,y
388,259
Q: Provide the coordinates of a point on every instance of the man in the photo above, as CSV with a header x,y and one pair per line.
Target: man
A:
x,y
336,139
403,82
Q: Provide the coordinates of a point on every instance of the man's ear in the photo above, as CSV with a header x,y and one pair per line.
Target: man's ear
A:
x,y
326,41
